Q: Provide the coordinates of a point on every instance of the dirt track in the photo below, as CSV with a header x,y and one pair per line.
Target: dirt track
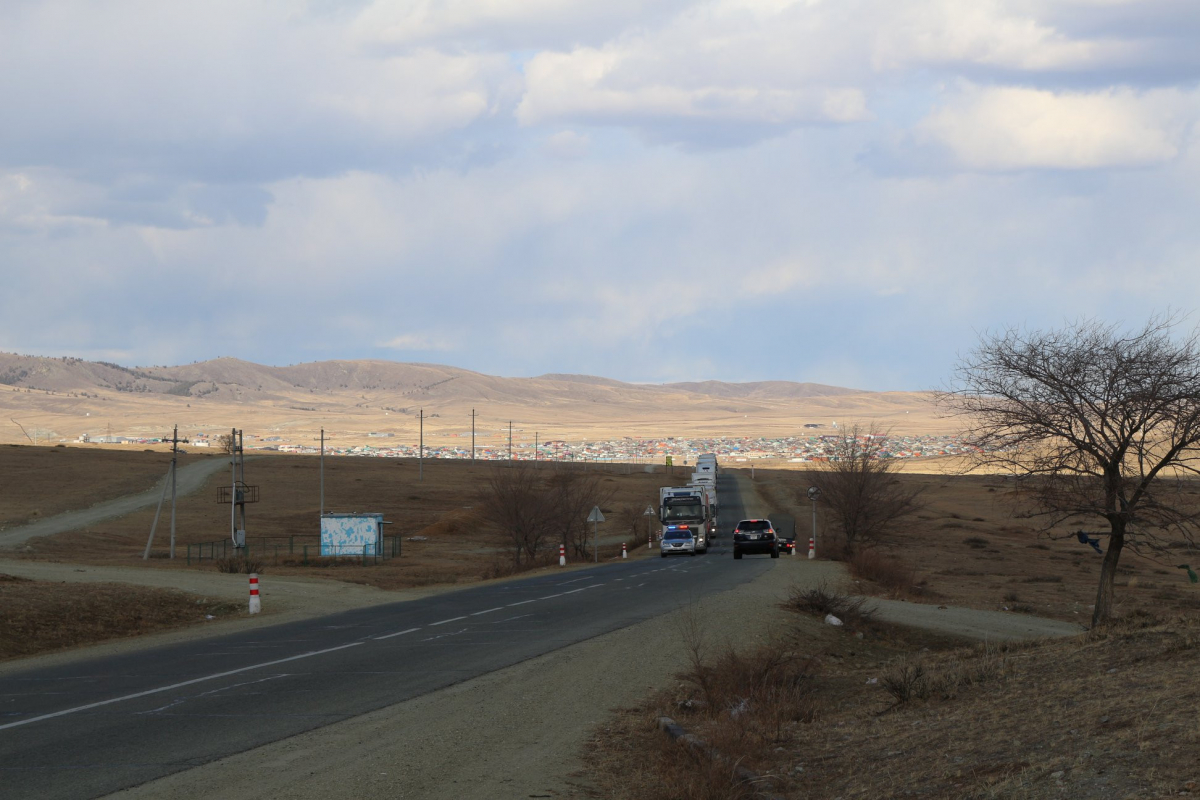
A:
x,y
188,479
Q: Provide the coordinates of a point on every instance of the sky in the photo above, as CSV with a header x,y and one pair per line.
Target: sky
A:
x,y
840,191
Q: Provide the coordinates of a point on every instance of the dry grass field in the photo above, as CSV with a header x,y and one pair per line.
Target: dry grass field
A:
x,y
43,616
826,714
869,710
445,534
968,548
39,482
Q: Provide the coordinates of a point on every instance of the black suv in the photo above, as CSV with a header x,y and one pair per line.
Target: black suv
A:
x,y
755,536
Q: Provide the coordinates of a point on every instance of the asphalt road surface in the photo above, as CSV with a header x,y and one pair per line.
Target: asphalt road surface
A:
x,y
96,726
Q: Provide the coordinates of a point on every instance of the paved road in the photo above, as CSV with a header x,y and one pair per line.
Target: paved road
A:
x,y
188,479
97,726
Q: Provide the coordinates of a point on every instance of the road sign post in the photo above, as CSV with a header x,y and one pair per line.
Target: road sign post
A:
x,y
596,518
648,513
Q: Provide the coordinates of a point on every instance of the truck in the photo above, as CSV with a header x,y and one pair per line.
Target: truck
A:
x,y
687,508
707,481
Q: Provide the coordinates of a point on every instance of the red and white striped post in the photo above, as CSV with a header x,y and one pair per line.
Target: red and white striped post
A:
x,y
562,555
255,602
812,549
623,554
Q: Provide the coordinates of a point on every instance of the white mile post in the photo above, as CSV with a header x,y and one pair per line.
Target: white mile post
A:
x,y
255,602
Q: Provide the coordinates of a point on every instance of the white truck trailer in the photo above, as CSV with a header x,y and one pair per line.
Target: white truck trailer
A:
x,y
687,508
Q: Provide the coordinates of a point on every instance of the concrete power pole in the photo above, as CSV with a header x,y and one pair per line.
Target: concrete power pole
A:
x,y
472,436
421,451
322,472
174,458
510,441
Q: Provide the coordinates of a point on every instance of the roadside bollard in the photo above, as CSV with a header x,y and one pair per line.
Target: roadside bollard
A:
x,y
812,549
623,554
255,602
562,555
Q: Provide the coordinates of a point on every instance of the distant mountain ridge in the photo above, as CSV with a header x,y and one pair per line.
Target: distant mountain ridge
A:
x,y
235,379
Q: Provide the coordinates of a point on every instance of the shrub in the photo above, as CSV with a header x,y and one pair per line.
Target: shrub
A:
x,y
890,573
820,601
240,565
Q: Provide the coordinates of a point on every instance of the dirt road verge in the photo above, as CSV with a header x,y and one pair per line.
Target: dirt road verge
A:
x,y
514,733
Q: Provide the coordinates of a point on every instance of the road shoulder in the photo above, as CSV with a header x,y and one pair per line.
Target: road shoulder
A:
x,y
516,732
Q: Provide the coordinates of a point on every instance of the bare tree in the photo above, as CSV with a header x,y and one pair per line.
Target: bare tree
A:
x,y
859,489
1098,423
226,443
573,494
519,503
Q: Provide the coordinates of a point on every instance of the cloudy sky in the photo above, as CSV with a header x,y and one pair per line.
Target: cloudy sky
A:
x,y
842,191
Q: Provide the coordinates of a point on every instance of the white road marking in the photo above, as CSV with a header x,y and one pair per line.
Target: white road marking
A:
x,y
523,602
573,580
179,685
490,610
444,621
397,633
547,597
593,586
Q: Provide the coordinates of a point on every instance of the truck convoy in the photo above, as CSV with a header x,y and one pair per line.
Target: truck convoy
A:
x,y
692,507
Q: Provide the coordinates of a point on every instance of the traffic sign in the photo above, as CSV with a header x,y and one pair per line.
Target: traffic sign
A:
x,y
595,516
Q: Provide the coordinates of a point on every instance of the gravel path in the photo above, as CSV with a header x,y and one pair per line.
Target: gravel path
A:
x,y
971,623
188,479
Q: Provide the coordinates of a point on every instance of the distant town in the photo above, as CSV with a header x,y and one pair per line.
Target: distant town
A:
x,y
817,446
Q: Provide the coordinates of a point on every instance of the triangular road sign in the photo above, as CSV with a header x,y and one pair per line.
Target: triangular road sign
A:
x,y
595,516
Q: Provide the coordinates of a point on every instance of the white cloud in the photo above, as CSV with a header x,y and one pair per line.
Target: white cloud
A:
x,y
1004,128
416,342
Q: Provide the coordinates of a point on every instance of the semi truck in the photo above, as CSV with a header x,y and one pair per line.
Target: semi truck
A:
x,y
687,508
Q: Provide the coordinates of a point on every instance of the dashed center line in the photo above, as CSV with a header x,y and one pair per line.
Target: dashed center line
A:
x,y
490,610
397,633
444,621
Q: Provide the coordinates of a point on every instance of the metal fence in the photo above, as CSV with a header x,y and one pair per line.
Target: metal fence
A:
x,y
307,547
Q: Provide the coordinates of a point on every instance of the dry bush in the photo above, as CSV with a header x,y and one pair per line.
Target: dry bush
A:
x,y
759,692
240,565
888,572
821,600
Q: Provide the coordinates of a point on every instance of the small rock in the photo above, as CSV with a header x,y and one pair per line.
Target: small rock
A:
x,y
1103,720
1057,775
872,681
858,635
830,619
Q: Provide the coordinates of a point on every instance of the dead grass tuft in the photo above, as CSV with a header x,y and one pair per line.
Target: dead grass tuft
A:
x,y
240,565
890,573
821,600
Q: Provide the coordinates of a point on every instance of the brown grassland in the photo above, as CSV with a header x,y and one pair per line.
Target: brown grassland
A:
x,y
42,616
445,534
39,482
871,710
818,713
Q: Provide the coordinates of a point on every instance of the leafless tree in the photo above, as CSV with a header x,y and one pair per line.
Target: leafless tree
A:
x,y
226,443
519,503
572,495
859,490
1097,423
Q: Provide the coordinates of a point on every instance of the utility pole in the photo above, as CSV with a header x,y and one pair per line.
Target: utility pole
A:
x,y
535,446
421,452
472,436
322,472
510,441
170,481
174,458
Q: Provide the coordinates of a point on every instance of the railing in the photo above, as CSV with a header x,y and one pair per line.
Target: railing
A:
x,y
308,547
